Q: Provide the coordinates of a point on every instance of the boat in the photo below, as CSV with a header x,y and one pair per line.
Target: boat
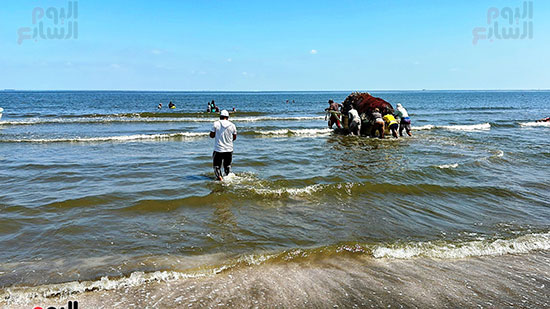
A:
x,y
365,104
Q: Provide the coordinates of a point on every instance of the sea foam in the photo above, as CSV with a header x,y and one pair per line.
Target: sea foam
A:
x,y
535,124
522,244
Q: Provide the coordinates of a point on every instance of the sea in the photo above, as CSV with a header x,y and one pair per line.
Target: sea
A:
x,y
109,201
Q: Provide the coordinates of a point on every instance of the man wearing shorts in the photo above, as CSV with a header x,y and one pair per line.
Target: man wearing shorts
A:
x,y
405,122
224,132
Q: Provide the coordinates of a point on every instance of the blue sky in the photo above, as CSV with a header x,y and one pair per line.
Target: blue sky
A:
x,y
279,45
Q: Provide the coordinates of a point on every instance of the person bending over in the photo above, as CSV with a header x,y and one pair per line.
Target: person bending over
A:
x,y
405,120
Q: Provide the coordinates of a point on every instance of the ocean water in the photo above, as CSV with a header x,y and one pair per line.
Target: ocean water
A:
x,y
101,191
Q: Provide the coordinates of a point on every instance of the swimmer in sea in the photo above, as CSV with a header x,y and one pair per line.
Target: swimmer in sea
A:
x,y
160,106
171,105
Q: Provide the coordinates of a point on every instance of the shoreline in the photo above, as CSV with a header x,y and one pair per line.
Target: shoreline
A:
x,y
349,281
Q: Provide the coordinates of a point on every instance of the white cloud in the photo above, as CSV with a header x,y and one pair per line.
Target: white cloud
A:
x,y
229,59
313,52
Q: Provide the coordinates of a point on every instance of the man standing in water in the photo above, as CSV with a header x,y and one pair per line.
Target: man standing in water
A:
x,y
405,122
225,132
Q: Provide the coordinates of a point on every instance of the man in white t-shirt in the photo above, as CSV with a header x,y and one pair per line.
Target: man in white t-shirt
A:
x,y
224,133
354,121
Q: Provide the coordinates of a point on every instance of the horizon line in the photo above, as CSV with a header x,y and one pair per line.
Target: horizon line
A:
x,y
209,91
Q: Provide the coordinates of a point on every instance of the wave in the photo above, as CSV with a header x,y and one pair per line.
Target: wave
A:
x,y
445,166
472,127
122,138
301,132
139,119
522,244
425,127
397,251
469,127
165,136
534,124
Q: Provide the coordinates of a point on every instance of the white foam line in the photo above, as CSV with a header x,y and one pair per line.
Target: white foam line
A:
x,y
290,191
302,132
426,127
122,138
535,124
36,121
24,295
522,244
445,166
473,127
21,295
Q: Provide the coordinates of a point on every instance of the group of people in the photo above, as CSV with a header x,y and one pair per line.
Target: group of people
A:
x,y
212,108
379,123
170,105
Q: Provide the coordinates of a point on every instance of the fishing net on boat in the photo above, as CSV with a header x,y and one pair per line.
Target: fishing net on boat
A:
x,y
366,103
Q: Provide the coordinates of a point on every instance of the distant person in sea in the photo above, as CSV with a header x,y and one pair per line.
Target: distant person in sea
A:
x,y
547,119
333,111
286,101
224,133
354,122
405,120
377,123
159,106
391,124
171,105
234,110
213,107
209,108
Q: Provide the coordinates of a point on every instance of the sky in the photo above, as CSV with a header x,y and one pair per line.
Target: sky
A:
x,y
233,45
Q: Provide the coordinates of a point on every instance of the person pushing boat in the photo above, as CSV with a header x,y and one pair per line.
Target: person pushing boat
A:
x,y
224,132
405,120
334,112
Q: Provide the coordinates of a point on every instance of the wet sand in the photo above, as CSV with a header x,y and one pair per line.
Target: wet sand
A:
x,y
519,281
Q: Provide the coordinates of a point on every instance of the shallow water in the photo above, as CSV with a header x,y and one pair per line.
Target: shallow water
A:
x,y
101,184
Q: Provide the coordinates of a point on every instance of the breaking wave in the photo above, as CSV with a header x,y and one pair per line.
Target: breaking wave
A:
x,y
535,124
446,166
470,127
403,251
166,136
522,244
138,119
122,138
301,132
